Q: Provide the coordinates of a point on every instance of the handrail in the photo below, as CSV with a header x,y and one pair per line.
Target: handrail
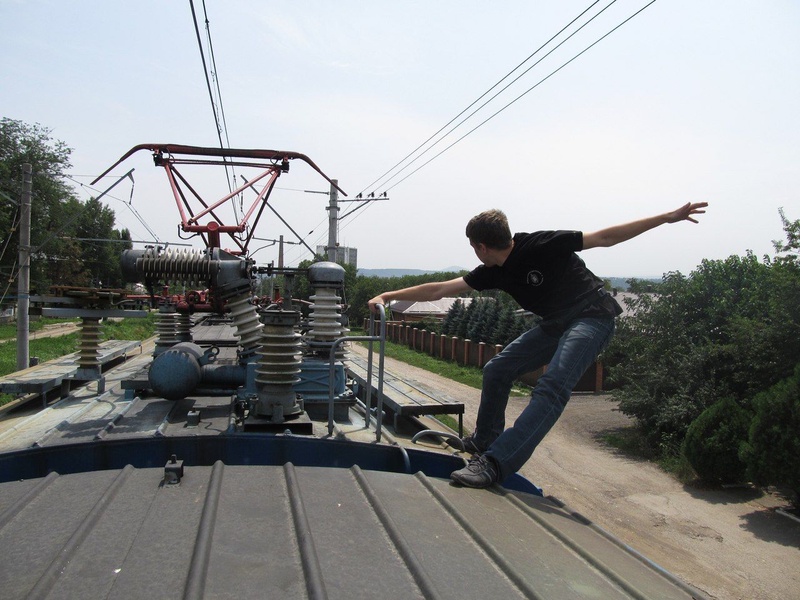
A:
x,y
381,338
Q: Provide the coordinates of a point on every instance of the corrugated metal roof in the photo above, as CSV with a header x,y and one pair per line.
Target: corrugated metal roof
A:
x,y
302,532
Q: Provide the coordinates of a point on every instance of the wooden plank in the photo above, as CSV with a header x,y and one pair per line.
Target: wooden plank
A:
x,y
46,376
404,396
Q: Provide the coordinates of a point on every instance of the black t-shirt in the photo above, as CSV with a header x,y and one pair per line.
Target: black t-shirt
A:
x,y
545,276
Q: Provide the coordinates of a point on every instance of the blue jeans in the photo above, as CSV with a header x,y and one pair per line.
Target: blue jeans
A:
x,y
567,357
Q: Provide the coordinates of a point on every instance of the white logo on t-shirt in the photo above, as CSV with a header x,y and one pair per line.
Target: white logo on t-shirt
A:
x,y
535,278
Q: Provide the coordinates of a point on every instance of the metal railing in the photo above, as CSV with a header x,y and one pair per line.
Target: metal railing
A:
x,y
371,338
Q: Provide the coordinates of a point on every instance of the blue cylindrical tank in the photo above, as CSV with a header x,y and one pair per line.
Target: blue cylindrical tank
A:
x,y
176,373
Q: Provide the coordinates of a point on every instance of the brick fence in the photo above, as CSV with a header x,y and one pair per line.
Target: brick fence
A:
x,y
475,354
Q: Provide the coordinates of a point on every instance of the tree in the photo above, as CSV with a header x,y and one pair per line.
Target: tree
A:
x,y
713,439
60,223
453,317
773,446
505,326
21,143
730,329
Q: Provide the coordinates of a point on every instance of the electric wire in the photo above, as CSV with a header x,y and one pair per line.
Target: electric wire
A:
x,y
128,204
15,220
473,113
479,98
482,123
218,126
12,277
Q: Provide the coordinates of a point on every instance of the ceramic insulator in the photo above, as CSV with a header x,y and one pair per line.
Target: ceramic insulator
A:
x,y
248,326
89,347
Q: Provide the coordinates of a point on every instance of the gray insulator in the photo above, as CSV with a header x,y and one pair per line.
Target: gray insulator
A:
x,y
278,366
186,266
248,326
228,273
325,320
329,274
183,327
166,329
89,349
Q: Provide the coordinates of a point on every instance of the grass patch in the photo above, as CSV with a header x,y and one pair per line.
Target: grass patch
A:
x,y
130,329
449,421
630,442
679,468
46,349
55,347
9,330
471,376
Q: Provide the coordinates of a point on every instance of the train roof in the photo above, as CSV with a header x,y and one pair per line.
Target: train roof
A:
x,y
107,495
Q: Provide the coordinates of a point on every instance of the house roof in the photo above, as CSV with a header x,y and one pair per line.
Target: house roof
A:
x,y
433,307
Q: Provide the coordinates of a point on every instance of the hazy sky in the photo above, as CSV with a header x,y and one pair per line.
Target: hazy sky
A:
x,y
690,100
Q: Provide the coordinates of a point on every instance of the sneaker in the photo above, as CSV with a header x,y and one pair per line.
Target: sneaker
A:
x,y
481,472
470,445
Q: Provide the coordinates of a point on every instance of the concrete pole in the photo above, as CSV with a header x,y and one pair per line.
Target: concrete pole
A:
x,y
333,221
24,277
280,252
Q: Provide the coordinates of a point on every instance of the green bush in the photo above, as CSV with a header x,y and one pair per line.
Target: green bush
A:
x,y
713,440
772,452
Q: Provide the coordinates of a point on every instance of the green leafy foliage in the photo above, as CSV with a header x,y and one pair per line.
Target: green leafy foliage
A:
x,y
713,439
64,230
730,330
773,448
363,289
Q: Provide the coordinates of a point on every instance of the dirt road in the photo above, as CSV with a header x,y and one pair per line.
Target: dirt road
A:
x,y
729,543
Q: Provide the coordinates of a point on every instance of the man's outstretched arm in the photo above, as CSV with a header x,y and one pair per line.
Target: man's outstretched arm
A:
x,y
427,291
621,233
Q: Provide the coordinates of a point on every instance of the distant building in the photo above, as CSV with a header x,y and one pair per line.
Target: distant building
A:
x,y
411,311
344,255
620,297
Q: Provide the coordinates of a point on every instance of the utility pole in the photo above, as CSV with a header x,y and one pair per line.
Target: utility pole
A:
x,y
333,222
280,252
24,277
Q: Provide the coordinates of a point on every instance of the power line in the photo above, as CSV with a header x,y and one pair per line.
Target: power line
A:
x,y
129,203
474,102
213,74
473,113
518,97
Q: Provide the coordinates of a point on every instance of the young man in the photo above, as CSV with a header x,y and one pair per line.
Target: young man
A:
x,y
543,274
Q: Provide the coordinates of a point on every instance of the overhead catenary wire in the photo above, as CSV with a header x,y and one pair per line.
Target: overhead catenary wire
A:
x,y
512,82
530,89
221,127
15,221
479,98
128,203
442,138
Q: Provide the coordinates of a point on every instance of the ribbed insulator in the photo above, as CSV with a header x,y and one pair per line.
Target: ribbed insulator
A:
x,y
279,366
245,319
279,356
166,329
183,327
89,346
325,320
187,266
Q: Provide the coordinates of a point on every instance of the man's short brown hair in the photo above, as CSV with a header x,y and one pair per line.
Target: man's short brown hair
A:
x,y
490,228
